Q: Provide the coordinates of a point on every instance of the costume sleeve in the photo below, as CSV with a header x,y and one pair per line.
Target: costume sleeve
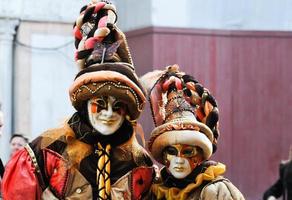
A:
x,y
275,190
20,181
221,190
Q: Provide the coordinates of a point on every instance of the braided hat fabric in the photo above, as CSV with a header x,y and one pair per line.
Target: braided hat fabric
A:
x,y
184,112
104,60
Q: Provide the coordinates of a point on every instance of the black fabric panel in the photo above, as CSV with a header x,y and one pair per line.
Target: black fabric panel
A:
x,y
86,133
1,169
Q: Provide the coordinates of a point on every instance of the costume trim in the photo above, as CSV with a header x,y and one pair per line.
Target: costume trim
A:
x,y
37,168
174,193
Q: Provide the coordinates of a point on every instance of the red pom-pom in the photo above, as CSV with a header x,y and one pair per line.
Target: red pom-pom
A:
x,y
102,22
98,38
76,55
98,6
89,43
77,33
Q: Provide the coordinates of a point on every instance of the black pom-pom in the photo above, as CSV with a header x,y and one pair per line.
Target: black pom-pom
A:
x,y
88,14
83,8
187,92
91,32
189,78
172,87
76,43
83,54
212,100
214,148
212,118
216,133
199,89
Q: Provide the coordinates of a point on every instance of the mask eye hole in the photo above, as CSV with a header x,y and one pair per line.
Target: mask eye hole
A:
x,y
171,151
118,105
101,103
188,152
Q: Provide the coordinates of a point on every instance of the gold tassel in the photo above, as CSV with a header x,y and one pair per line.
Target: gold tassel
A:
x,y
103,172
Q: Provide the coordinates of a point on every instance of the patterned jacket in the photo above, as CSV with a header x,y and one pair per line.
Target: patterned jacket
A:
x,y
58,165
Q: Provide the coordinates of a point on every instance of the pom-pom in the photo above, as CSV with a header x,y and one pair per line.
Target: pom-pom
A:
x,y
81,63
76,55
77,33
83,8
79,21
101,32
88,14
102,22
89,43
76,43
99,6
149,79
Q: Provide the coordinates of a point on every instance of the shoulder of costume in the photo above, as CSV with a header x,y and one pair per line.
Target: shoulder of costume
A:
x,y
62,135
221,185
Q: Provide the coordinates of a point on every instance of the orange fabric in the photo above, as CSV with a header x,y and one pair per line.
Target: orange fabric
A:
x,y
19,181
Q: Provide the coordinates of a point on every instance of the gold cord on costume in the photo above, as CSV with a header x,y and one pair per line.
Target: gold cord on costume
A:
x,y
103,172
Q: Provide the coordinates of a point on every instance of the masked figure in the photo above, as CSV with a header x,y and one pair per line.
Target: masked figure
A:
x,y
185,136
95,155
283,186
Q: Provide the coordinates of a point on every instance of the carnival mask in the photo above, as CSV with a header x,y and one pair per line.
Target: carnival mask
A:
x,y
106,114
181,160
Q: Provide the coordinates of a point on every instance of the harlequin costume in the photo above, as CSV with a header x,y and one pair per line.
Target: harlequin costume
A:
x,y
75,161
184,112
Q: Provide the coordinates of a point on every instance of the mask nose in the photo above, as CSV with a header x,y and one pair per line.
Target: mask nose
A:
x,y
109,111
179,160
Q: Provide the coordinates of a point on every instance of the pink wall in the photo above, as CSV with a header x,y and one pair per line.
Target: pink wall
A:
x,y
249,73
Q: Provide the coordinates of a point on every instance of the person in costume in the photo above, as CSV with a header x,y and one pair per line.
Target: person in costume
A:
x,y
186,118
95,154
1,163
1,128
283,186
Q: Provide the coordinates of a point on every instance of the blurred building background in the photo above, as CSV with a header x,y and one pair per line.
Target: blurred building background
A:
x,y
240,49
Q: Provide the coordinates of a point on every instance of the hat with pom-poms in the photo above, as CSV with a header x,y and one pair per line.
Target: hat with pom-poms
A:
x,y
183,111
104,59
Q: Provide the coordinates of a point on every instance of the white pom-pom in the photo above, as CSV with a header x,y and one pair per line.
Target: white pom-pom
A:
x,y
101,32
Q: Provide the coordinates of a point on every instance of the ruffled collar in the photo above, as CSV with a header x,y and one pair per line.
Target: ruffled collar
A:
x,y
174,189
86,133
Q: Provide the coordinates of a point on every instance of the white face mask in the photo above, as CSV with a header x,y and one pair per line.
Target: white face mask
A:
x,y
106,114
179,167
181,160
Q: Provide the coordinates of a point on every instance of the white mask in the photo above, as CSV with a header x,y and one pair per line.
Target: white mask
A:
x,y
179,167
181,160
106,114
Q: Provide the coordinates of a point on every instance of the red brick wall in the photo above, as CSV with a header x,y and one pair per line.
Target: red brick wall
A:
x,y
249,73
